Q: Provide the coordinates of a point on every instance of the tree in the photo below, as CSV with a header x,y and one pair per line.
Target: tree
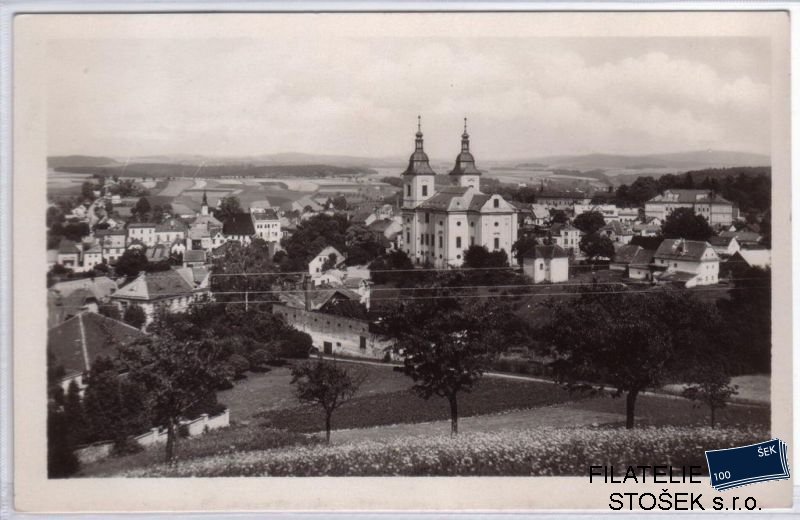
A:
x,y
711,387
589,222
132,262
524,244
340,203
87,190
363,246
557,216
446,347
478,257
607,337
397,260
684,223
311,237
77,427
596,246
142,209
175,375
251,261
135,316
61,460
327,385
228,206
114,407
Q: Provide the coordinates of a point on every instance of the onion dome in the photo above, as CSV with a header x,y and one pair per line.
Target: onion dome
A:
x,y
465,162
418,163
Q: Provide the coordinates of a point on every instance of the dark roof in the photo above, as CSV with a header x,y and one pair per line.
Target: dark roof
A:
x,y
76,342
238,224
380,226
643,257
742,236
317,298
465,162
560,195
625,254
418,163
560,226
671,196
680,249
721,241
545,252
265,214
441,200
66,247
155,285
195,255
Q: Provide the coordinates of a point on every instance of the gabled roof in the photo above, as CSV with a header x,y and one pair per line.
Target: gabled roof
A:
x,y
76,342
545,252
171,225
617,228
560,226
197,255
721,241
134,225
68,247
681,196
155,285
266,214
625,254
643,257
680,249
317,298
238,224
756,257
742,236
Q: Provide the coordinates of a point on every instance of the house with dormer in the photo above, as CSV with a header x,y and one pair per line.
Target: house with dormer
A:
x,y
686,262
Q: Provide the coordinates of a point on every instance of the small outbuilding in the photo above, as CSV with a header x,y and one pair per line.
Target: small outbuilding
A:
x,y
546,264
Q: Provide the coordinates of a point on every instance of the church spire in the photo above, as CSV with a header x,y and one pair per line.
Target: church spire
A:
x,y
418,162
465,138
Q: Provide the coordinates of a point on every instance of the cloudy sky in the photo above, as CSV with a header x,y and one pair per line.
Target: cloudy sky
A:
x,y
524,97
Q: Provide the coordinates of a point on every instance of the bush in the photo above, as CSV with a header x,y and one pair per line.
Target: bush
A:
x,y
126,446
239,364
507,453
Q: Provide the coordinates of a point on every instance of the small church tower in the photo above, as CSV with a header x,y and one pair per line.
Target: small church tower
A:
x,y
465,173
204,205
418,177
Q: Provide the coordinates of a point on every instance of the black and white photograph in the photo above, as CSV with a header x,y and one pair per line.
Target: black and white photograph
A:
x,y
404,244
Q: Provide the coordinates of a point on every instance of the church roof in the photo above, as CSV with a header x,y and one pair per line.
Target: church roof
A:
x,y
418,163
465,162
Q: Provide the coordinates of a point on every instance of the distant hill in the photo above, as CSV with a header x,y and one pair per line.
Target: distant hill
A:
x,y
162,170
67,161
677,161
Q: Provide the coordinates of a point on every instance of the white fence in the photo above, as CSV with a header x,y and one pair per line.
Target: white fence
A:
x,y
199,426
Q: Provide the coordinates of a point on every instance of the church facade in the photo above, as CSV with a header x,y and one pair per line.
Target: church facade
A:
x,y
439,225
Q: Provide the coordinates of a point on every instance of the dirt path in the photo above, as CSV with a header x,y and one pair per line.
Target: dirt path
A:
x,y
548,416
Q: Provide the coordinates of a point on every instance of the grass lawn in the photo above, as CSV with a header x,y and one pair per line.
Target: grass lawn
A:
x,y
667,411
273,390
375,409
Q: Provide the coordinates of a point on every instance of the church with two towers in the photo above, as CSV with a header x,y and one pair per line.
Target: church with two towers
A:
x,y
439,225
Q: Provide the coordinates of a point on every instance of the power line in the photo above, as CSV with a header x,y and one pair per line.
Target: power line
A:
x,y
653,291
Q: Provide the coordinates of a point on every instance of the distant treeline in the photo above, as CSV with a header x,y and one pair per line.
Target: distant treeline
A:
x,y
750,188
164,170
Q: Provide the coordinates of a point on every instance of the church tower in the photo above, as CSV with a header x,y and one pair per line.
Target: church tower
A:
x,y
465,173
418,177
204,205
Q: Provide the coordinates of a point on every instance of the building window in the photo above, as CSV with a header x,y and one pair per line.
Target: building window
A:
x,y
496,244
472,224
362,343
496,203
408,190
472,241
496,224
424,190
458,242
458,223
440,242
408,237
427,217
541,267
